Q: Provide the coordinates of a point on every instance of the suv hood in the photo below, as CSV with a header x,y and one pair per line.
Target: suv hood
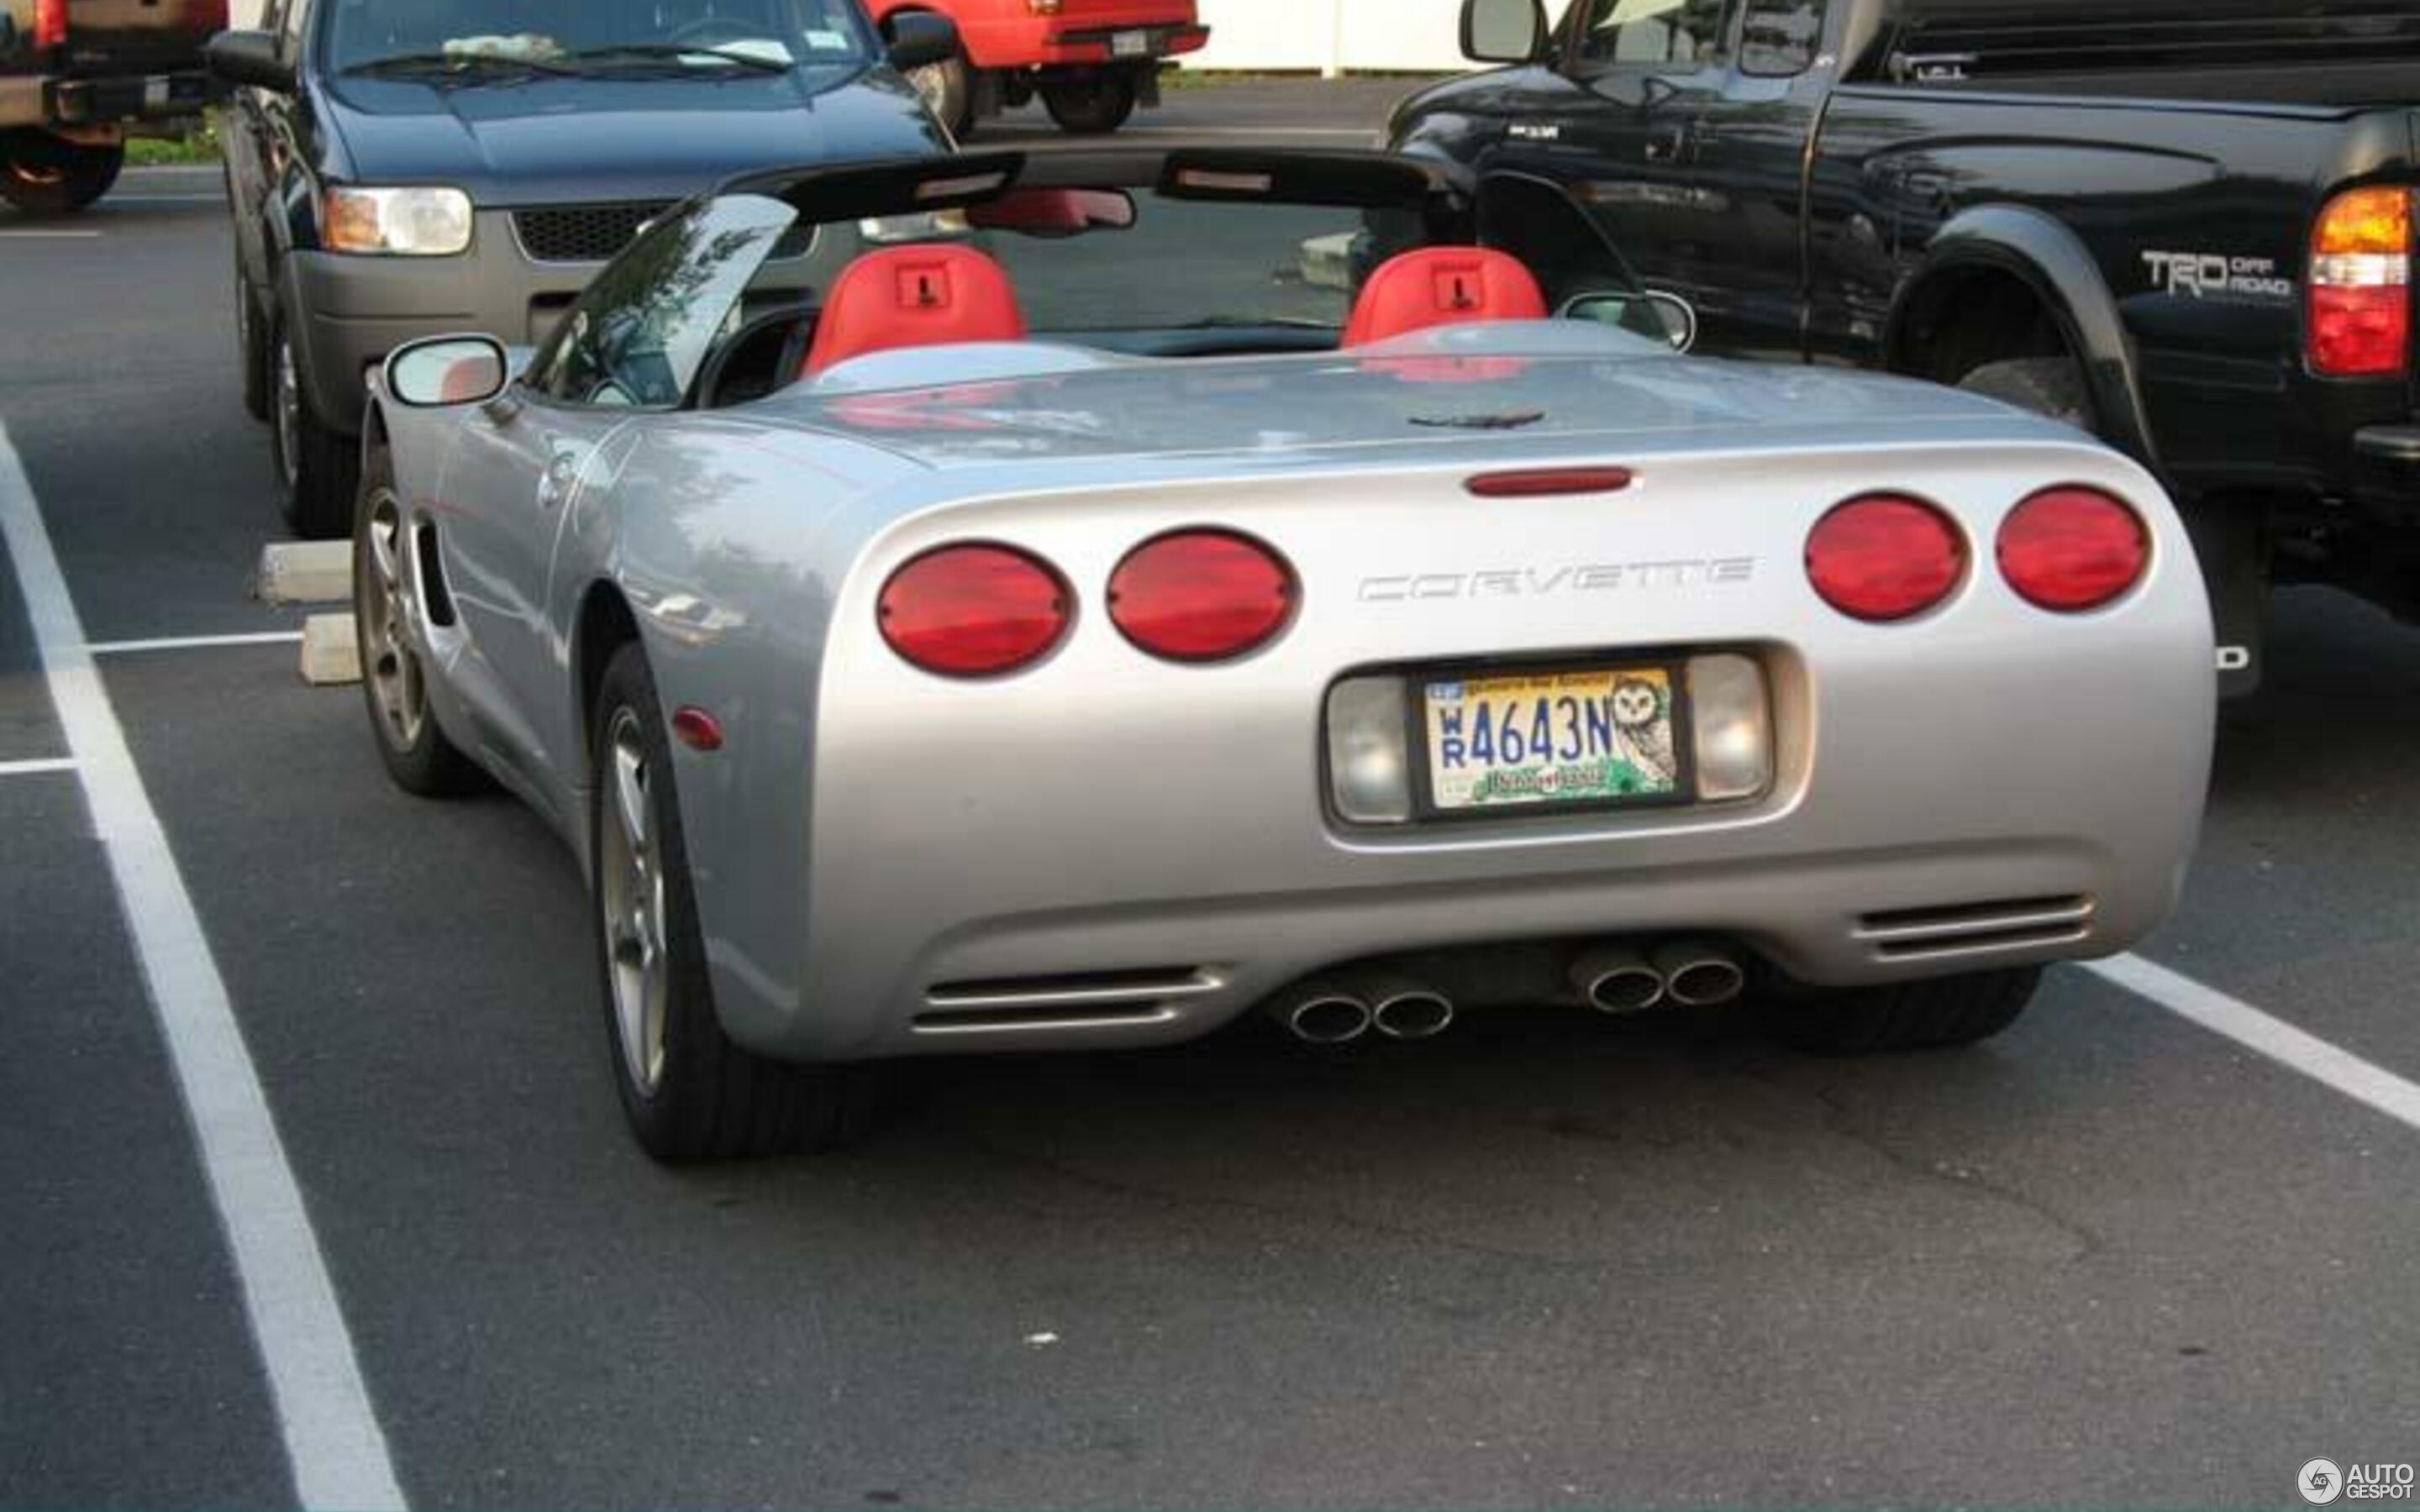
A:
x,y
569,141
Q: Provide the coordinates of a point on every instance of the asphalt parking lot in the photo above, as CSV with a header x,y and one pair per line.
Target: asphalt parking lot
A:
x,y
2113,1258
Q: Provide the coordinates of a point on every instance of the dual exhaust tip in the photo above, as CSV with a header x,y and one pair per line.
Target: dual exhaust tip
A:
x,y
1337,1008
1685,973
1341,1007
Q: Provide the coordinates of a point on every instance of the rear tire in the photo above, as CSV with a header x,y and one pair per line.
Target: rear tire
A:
x,y
1912,1015
689,1093
395,686
1095,106
317,470
46,174
2052,387
948,89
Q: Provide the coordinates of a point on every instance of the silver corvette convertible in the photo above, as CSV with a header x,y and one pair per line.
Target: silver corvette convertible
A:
x,y
1149,588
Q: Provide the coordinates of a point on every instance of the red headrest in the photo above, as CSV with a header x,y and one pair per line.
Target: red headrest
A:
x,y
921,296
1443,286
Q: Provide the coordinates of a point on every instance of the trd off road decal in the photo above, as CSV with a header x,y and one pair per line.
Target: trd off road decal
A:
x,y
2207,275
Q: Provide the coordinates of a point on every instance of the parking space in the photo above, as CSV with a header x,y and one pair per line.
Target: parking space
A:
x,y
2109,1258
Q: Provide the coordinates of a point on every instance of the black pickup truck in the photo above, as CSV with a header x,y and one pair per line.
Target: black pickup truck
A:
x,y
2186,225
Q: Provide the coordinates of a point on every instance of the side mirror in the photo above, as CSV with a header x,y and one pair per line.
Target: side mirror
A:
x,y
1503,31
245,57
917,38
447,370
1652,314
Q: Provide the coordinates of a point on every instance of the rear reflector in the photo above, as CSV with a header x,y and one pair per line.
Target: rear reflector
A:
x,y
974,611
1202,596
1548,482
2361,286
2072,549
1884,557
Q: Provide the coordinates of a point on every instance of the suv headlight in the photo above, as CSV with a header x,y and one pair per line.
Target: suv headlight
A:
x,y
404,223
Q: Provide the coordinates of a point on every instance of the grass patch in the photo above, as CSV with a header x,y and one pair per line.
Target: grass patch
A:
x,y
200,144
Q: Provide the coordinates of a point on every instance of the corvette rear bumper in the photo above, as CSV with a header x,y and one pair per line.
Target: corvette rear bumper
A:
x,y
1105,850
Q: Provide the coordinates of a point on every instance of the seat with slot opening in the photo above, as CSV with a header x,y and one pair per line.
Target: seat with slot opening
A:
x,y
918,295
1440,286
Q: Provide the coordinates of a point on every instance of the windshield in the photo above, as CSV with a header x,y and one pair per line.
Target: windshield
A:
x,y
597,34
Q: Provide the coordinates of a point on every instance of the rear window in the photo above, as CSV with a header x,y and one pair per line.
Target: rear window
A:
x,y
2144,48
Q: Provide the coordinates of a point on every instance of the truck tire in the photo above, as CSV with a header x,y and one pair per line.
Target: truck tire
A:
x,y
948,90
318,471
1908,1015
46,174
252,347
2052,387
689,1092
1092,106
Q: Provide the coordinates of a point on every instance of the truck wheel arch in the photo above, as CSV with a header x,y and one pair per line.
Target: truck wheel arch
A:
x,y
2015,278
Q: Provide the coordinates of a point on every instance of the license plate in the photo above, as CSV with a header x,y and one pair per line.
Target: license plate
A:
x,y
1130,44
1604,736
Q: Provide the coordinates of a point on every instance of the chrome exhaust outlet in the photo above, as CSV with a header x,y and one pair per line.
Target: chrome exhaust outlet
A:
x,y
1697,975
1321,1011
1618,979
1405,1009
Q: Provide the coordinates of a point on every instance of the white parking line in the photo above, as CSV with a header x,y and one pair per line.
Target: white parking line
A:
x,y
2275,1037
333,1439
40,768
195,642
52,235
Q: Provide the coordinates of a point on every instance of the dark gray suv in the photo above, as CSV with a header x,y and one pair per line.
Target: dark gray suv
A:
x,y
403,169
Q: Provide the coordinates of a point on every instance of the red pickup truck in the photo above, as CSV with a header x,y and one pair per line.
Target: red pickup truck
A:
x,y
78,77
1092,61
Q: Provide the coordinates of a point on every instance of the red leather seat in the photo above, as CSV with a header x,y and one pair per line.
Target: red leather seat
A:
x,y
1443,286
922,296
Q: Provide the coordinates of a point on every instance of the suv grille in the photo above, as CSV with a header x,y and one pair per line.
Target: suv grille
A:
x,y
583,233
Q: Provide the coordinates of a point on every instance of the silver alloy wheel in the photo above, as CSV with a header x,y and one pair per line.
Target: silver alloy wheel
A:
x,y
287,408
630,892
387,655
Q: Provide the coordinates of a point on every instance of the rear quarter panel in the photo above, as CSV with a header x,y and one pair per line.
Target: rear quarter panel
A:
x,y
2227,193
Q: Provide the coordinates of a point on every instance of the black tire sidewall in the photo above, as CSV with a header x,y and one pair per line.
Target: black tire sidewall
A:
x,y
2052,387
88,172
1096,107
252,346
318,504
674,1123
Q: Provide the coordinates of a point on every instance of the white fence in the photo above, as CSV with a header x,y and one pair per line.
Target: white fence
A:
x,y
1332,34
1327,35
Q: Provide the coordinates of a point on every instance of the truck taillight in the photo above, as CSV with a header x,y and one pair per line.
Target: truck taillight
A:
x,y
2361,286
1042,8
50,23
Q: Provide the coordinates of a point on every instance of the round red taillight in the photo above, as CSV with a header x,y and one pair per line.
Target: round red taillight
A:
x,y
1202,596
974,611
1884,557
2074,549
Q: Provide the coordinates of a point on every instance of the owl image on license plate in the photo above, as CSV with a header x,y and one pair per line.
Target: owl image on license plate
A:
x,y
1588,737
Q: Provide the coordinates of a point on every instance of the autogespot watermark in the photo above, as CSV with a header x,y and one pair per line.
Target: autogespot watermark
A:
x,y
2322,1481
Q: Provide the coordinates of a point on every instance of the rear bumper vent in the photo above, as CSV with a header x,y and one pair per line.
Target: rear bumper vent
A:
x,y
1966,929
1096,999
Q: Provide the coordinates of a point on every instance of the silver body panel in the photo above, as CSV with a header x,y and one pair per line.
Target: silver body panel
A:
x,y
871,833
